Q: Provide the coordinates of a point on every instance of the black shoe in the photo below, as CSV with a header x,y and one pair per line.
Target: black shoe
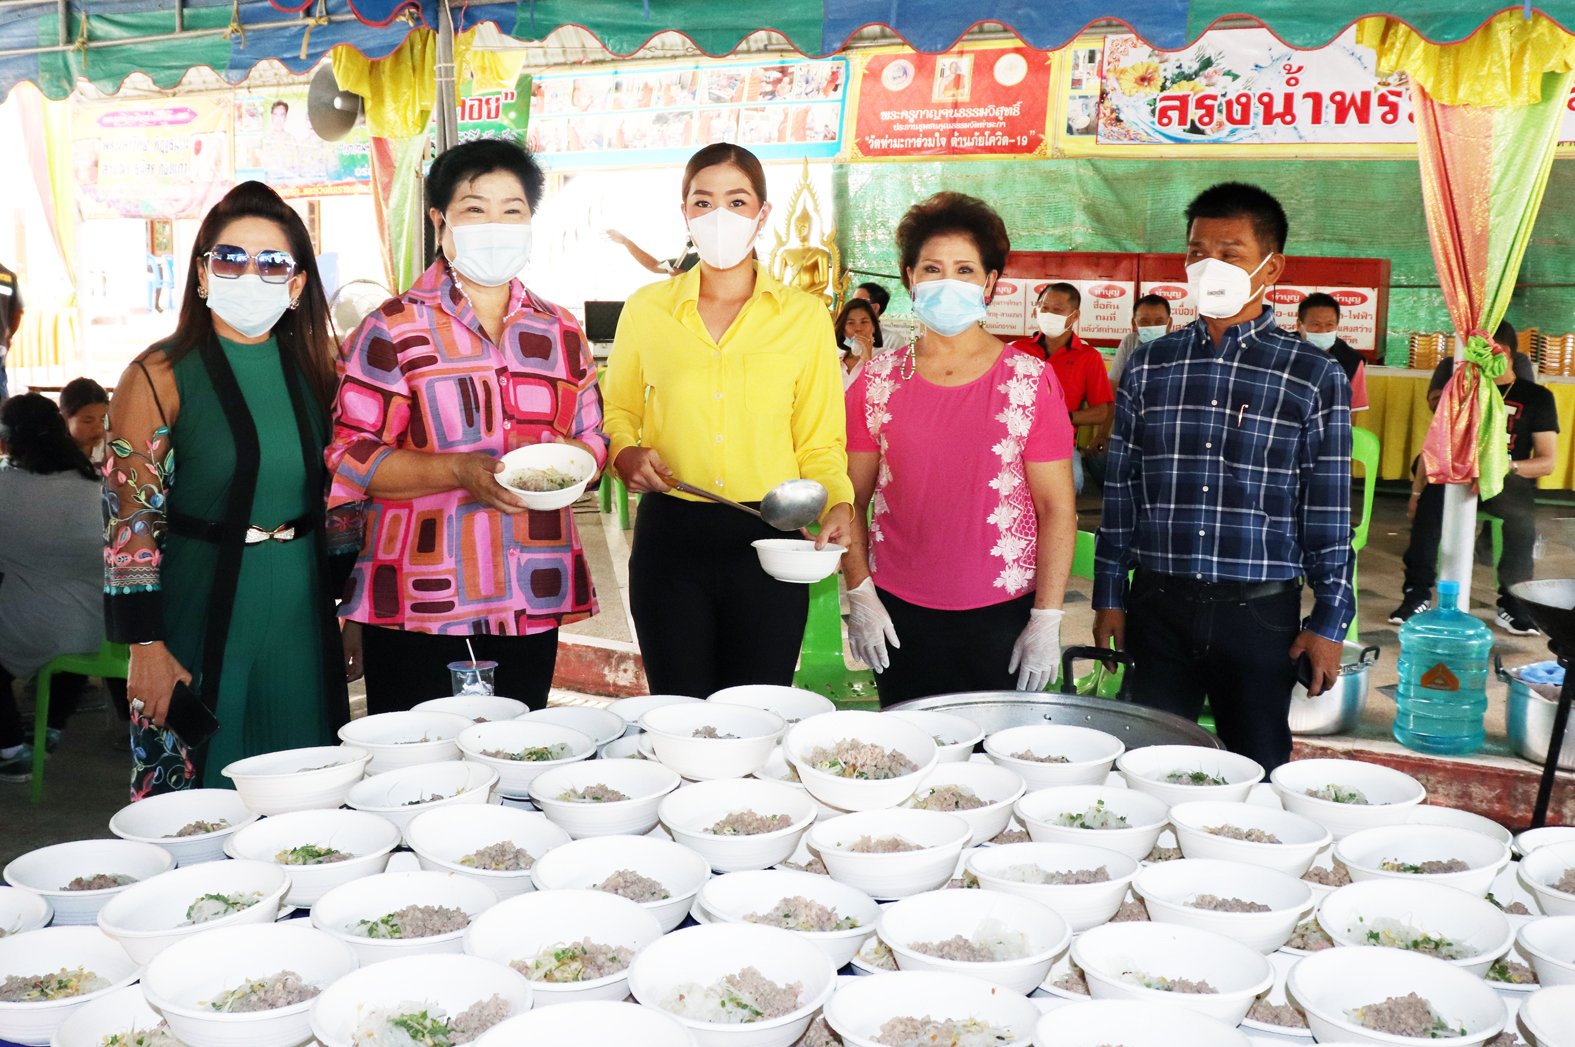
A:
x,y
1408,608
1511,624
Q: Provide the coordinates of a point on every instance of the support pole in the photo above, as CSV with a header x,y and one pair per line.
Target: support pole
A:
x,y
1458,539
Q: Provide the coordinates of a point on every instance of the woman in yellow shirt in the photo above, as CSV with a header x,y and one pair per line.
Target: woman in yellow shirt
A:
x,y
727,380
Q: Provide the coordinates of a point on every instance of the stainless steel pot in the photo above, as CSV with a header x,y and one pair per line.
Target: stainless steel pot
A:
x,y
1529,718
1339,709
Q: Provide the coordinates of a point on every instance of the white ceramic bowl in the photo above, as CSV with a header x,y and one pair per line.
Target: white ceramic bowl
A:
x,y
854,794
515,776
791,703
671,731
637,705
1089,753
22,911
477,708
644,782
1169,889
1538,872
519,929
1549,1016
998,787
1364,853
1388,792
688,814
1300,837
589,1023
1145,816
1431,814
368,838
442,838
626,748
157,819
148,917
50,949
565,458
401,739
1328,985
1133,1023
702,956
898,874
585,863
182,978
861,1006
121,1011
402,794
450,982
1532,839
737,896
980,916
955,736
600,725
316,778
1550,942
1115,956
1147,770
47,870
338,911
1352,912
1082,905
797,559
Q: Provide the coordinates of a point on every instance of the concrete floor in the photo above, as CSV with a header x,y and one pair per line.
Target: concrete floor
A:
x,y
87,777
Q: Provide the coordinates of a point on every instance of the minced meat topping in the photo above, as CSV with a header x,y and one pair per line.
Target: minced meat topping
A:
x,y
1035,874
1281,1014
597,793
1408,1015
748,823
1030,755
284,989
1218,904
1430,867
414,921
851,758
99,882
803,914
631,885
198,828
581,961
947,798
503,856
881,845
1232,832
1167,984
1309,936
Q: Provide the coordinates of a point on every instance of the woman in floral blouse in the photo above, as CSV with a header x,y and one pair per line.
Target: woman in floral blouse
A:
x,y
435,387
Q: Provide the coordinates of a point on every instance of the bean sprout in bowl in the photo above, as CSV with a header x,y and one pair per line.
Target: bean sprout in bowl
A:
x,y
996,937
77,879
859,761
1549,874
1133,1023
191,824
1346,796
402,913
478,708
519,750
662,876
1427,918
1248,833
1188,773
459,993
1199,970
1122,820
891,854
22,910
48,974
590,1023
955,736
1046,755
735,985
308,779
491,844
319,849
706,740
547,476
607,797
981,794
402,739
148,917
1257,907
743,823
239,986
791,703
1424,854
929,1009
1084,884
1390,997
837,918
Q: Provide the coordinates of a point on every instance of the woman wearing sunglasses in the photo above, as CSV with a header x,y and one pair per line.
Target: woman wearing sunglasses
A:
x,y
217,548
436,386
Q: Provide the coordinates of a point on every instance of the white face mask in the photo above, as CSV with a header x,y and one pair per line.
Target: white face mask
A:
x,y
1322,339
723,238
491,254
1148,334
247,304
1221,290
1052,324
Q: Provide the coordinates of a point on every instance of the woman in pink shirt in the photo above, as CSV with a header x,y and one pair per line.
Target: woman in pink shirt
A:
x,y
435,386
963,448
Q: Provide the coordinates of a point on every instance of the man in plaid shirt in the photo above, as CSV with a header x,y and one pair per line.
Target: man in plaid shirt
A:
x,y
1229,484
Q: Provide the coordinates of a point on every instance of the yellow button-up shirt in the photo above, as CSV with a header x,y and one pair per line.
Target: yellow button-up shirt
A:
x,y
738,416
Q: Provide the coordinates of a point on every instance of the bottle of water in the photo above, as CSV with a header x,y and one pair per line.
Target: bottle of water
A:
x,y
1443,673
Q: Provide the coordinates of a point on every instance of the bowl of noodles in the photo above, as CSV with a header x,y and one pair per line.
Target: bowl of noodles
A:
x,y
547,476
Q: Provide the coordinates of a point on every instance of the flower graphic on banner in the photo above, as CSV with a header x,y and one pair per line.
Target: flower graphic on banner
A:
x,y
1141,79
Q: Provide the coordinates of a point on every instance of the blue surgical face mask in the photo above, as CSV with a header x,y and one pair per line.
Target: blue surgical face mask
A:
x,y
948,307
1148,334
1322,339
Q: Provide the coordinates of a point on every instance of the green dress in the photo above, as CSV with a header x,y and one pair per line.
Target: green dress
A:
x,y
273,664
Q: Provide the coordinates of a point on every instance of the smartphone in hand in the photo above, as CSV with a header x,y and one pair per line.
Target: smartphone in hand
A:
x,y
189,717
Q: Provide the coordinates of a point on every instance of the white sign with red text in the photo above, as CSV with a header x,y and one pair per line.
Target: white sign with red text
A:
x,y
1009,314
1182,311
1105,312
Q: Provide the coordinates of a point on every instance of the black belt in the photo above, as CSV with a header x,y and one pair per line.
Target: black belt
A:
x,y
211,531
1196,590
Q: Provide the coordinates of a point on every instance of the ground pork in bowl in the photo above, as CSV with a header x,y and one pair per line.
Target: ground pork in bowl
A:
x,y
1121,820
791,703
739,824
981,794
46,975
403,739
1132,1023
860,761
519,750
150,916
1083,883
406,793
466,995
929,1009
1549,874
606,797
891,854
1424,854
191,824
78,878
314,778
1346,796
1343,993
489,843
402,913
479,708
319,849
1431,919
1199,970
1257,907
702,740
836,917
990,935
1189,773
590,1023
661,876
1048,755
1249,834
955,736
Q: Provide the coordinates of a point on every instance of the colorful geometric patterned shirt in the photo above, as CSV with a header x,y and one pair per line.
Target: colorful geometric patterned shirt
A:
x,y
420,374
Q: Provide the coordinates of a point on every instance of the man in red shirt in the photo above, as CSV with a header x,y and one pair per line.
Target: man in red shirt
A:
x,y
1078,366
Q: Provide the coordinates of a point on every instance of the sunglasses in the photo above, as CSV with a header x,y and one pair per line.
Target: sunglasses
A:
x,y
228,262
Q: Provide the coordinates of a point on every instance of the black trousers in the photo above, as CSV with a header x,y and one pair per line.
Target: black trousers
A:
x,y
706,614
1236,654
946,652
1516,505
405,667
65,692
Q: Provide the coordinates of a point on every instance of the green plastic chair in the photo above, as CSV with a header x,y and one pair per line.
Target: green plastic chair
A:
x,y
821,665
112,660
1365,450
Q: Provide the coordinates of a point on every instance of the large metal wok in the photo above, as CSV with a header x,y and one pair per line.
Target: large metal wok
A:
x,y
1133,724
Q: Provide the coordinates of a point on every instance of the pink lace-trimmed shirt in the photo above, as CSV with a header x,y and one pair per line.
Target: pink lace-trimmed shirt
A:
x,y
420,374
953,524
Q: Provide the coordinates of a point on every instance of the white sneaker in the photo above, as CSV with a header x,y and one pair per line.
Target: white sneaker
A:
x,y
1517,626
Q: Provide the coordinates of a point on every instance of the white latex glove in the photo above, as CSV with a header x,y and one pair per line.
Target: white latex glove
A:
x,y
869,627
1037,650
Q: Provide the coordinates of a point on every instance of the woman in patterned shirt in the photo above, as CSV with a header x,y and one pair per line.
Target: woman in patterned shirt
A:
x,y
926,426
435,387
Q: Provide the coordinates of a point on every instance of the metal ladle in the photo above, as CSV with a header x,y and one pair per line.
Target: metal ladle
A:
x,y
789,506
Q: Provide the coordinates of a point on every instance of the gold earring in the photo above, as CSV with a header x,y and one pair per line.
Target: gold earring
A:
x,y
294,302
202,292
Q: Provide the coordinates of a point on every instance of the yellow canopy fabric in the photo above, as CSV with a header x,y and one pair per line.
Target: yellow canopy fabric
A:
x,y
1501,64
400,89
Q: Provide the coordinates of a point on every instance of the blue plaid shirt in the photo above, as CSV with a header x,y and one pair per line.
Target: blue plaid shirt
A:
x,y
1231,463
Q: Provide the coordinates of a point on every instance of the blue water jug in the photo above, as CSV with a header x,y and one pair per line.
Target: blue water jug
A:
x,y
1443,674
